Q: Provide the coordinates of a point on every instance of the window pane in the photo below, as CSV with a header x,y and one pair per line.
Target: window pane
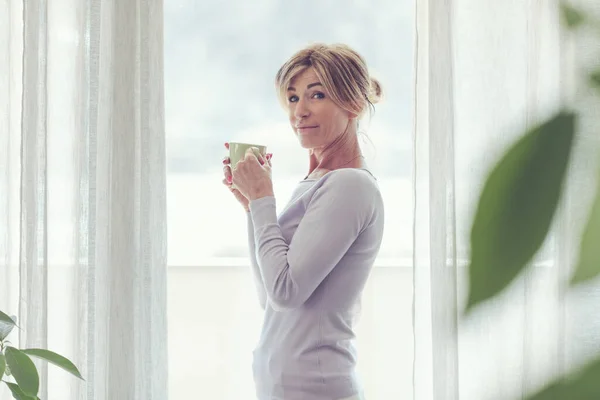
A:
x,y
221,59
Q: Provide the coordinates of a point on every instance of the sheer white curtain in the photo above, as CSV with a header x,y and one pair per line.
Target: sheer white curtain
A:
x,y
485,71
82,192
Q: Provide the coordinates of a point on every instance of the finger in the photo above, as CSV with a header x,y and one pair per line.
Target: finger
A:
x,y
269,156
249,152
261,159
227,146
227,172
226,160
253,151
229,185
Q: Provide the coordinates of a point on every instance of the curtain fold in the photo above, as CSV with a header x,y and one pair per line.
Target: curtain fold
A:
x,y
435,279
11,41
33,259
83,192
485,72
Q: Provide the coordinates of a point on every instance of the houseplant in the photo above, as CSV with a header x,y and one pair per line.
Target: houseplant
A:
x,y
18,371
515,212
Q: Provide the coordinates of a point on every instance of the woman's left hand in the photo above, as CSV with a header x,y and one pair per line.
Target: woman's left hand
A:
x,y
252,176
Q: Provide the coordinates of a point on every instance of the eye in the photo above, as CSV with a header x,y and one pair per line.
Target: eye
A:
x,y
293,99
318,95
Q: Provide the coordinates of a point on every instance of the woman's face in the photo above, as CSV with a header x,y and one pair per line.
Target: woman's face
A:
x,y
314,117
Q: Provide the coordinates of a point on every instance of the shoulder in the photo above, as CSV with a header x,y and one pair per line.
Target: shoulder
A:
x,y
353,187
351,180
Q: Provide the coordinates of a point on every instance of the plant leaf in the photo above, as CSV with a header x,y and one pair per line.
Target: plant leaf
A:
x,y
6,325
18,393
23,370
571,16
55,359
595,77
2,365
581,385
588,266
517,206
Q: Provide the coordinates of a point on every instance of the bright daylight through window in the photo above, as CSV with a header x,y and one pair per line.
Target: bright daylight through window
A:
x,y
220,64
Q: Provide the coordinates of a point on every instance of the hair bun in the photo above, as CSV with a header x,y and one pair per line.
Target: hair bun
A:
x,y
375,92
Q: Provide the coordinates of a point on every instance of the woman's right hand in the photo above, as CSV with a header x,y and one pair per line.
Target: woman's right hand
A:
x,y
227,180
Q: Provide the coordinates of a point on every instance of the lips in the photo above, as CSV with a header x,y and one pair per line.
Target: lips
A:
x,y
306,128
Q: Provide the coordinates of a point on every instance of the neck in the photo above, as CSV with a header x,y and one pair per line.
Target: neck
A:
x,y
344,152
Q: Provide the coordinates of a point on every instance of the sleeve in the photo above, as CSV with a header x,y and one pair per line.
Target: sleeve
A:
x,y
258,282
336,215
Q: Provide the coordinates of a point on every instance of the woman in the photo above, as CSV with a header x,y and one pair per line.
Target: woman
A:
x,y
312,261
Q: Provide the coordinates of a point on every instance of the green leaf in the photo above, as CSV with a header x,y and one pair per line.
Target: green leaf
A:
x,y
18,393
595,77
2,365
588,266
581,385
6,325
571,16
55,359
517,206
23,370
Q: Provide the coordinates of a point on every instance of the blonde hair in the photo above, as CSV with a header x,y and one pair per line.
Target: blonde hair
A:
x,y
342,71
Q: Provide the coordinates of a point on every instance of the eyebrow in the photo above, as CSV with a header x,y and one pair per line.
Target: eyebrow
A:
x,y
291,88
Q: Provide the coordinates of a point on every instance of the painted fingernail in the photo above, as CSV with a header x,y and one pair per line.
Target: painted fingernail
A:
x,y
269,156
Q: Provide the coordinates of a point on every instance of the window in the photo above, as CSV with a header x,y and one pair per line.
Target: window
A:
x,y
220,64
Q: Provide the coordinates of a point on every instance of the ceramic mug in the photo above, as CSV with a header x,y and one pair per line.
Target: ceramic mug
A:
x,y
237,151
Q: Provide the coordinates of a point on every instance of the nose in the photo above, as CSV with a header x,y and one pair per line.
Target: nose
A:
x,y
301,110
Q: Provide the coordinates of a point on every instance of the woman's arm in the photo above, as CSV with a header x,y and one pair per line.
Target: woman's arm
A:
x,y
258,281
338,212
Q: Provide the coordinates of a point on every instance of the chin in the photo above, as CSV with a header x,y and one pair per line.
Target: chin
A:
x,y
305,145
310,141
305,142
